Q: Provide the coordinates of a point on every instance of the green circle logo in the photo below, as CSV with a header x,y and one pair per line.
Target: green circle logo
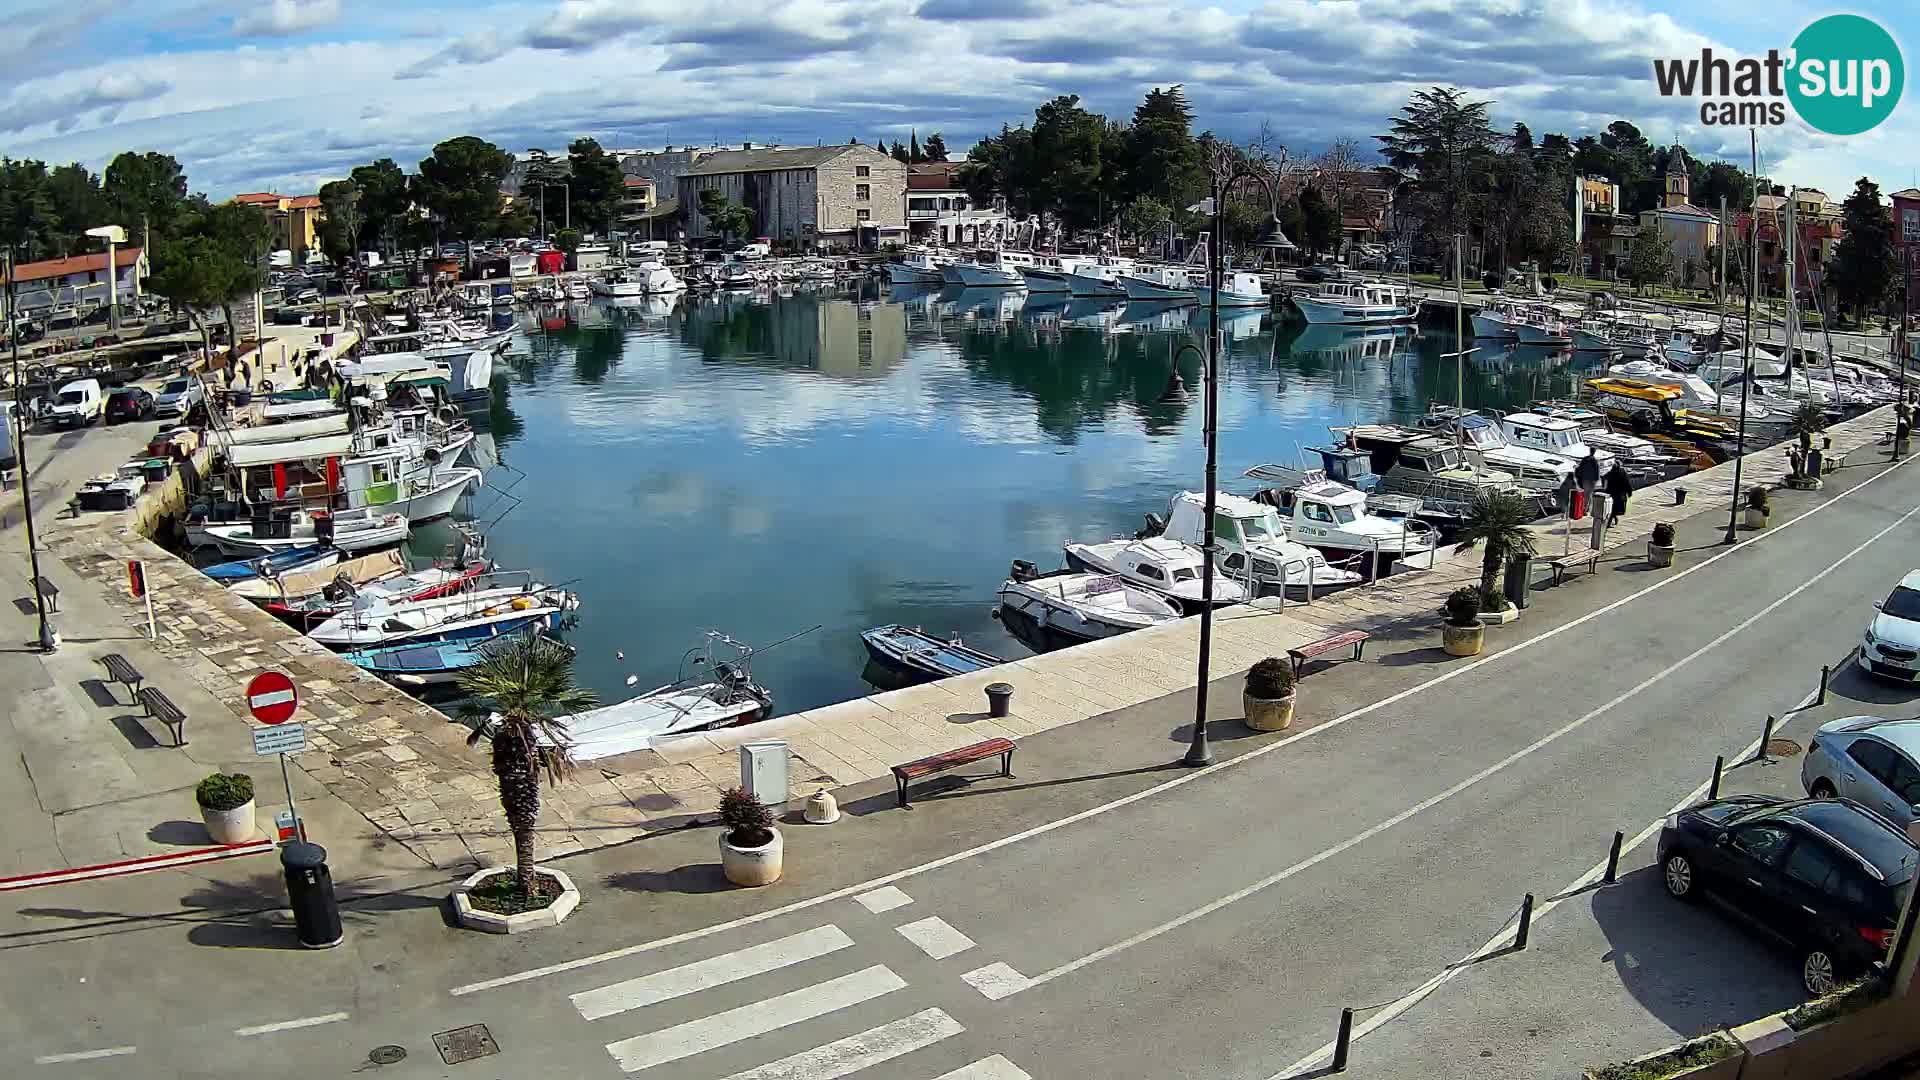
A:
x,y
1847,74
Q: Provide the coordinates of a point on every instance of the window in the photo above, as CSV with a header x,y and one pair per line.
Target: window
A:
x,y
1903,604
382,474
1343,514
1875,757
1151,573
1764,844
1314,511
1810,864
862,170
1223,525
863,192
1184,573
864,215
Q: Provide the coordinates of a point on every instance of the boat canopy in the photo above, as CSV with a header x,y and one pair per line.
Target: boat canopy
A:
x,y
297,410
335,424
248,455
389,364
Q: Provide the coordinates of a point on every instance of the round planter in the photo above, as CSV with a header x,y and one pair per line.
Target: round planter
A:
x,y
754,866
491,922
1463,640
1659,556
1268,714
1756,519
233,826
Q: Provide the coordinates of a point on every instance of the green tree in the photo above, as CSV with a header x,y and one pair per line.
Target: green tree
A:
x,y
936,147
1065,163
567,240
78,205
1145,216
1650,258
915,155
1160,157
146,192
339,220
461,184
1319,228
728,218
26,209
899,153
212,260
520,688
598,184
1002,165
1497,521
1441,137
1863,269
385,203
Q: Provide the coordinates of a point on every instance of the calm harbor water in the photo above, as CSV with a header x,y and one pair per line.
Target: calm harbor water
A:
x,y
852,457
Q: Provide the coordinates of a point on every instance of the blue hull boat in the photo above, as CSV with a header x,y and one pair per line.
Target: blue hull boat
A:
x,y
280,562
431,663
911,651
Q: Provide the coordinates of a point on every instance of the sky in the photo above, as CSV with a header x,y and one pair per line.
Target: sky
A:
x,y
283,95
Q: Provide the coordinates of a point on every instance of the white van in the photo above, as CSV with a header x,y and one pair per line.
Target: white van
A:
x,y
78,404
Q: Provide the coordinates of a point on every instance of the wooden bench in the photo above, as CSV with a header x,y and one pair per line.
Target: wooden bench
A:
x,y
119,670
953,759
161,707
1563,563
51,592
1304,653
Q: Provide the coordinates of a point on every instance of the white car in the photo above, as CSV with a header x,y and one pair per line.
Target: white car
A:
x,y
77,404
1891,646
1869,760
177,397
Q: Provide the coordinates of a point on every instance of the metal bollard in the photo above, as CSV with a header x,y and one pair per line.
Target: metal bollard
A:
x,y
1826,672
1719,766
1766,737
316,914
1373,564
1526,923
1613,858
1342,1043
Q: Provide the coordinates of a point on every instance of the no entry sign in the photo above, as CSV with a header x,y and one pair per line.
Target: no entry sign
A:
x,y
272,698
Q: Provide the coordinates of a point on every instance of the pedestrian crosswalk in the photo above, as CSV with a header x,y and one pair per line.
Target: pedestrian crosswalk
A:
x,y
842,988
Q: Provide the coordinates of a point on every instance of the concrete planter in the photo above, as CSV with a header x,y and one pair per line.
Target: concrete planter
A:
x,y
233,826
1727,1068
1659,556
1502,617
489,922
753,866
1756,518
1844,1046
1268,714
1463,640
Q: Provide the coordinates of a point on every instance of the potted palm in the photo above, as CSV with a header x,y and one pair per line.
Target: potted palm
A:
x,y
1462,634
1808,420
1496,520
1758,507
1268,695
751,850
520,687
1660,546
226,805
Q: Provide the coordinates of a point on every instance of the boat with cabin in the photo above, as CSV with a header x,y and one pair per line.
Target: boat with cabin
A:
x,y
1416,462
1069,607
994,268
1158,564
1163,284
1101,277
1354,300
1542,472
1053,273
1252,544
1336,518
919,267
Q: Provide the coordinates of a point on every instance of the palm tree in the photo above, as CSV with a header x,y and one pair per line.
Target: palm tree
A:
x,y
1808,420
1499,520
520,686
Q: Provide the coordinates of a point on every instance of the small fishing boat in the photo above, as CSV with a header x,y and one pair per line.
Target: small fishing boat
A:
x,y
910,650
302,580
306,610
347,530
312,557
1159,565
1068,607
417,665
728,697
378,620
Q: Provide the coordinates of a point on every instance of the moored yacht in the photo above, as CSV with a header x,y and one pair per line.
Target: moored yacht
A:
x,y
1358,301
921,267
1251,544
1163,284
1164,566
1067,607
1101,277
1053,273
995,269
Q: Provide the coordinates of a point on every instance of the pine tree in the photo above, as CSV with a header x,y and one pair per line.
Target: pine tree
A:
x,y
914,154
1864,268
936,147
899,153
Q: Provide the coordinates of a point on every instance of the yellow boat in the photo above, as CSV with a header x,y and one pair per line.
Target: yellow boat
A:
x,y
1648,409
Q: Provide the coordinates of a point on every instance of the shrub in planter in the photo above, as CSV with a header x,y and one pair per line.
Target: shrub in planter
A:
x,y
751,850
1692,1059
1463,635
226,806
1269,695
1758,507
1663,534
1463,607
1660,547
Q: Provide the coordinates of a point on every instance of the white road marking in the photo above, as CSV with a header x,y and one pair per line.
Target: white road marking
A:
x,y
987,1068
713,971
289,1025
885,899
996,980
84,1055
1162,788
935,937
1431,801
757,1018
855,1052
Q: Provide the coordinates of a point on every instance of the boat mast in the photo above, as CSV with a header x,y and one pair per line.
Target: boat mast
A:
x,y
1746,380
1792,292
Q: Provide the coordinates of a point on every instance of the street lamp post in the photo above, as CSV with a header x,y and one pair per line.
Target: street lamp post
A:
x,y
49,639
114,235
1746,360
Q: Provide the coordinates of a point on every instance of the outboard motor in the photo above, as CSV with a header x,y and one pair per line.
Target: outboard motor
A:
x,y
1154,527
1023,570
338,589
323,527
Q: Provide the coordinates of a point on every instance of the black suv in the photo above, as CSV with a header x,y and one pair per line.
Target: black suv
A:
x,y
1826,876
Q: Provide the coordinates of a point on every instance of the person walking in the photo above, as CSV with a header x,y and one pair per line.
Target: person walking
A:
x,y
1618,488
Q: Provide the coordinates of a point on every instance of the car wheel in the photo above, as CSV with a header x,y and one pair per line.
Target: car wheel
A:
x,y
1817,972
1822,789
1677,875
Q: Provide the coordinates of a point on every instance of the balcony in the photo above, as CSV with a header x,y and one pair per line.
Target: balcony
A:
x,y
922,215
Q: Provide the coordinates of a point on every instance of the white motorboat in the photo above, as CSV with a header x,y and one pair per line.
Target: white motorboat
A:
x,y
1163,284
735,275
579,290
728,697
1067,607
1358,301
1243,290
304,607
1539,324
1542,472
649,278
1499,320
1164,566
1101,277
1053,273
479,613
429,493
1333,517
1639,456
919,268
995,269
1251,544
348,530
616,283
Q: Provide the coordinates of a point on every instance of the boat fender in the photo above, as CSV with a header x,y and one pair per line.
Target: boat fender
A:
x,y
432,455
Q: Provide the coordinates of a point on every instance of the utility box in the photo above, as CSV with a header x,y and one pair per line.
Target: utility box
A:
x,y
763,770
1602,509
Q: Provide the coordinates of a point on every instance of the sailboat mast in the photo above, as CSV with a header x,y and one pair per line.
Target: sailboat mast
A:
x,y
1792,292
1459,331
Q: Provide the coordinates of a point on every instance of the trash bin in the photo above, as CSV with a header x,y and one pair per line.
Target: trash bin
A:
x,y
1519,583
316,914
999,699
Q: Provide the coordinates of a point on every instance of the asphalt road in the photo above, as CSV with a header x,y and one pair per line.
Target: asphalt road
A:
x,y
1100,916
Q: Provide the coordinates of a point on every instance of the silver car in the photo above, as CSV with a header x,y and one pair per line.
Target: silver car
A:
x,y
1873,761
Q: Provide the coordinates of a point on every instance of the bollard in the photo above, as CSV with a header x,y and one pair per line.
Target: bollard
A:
x,y
1373,564
1679,496
1766,736
999,699
1719,766
1613,858
1344,1041
316,914
1826,672
1526,923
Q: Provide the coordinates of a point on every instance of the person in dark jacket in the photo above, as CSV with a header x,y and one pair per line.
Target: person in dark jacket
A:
x,y
1587,473
1618,488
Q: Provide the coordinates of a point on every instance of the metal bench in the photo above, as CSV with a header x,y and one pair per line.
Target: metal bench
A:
x,y
1563,563
161,707
1304,653
119,670
51,592
953,759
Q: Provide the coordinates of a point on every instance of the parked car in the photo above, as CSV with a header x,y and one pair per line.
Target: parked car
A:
x,y
1313,273
1827,877
176,397
1891,646
1871,760
77,404
129,403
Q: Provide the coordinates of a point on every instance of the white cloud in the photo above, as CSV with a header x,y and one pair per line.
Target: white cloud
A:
x,y
276,18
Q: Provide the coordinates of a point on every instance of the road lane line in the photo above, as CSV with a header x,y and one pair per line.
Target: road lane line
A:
x,y
757,1018
988,1068
1162,788
84,1055
713,971
843,1057
885,899
1434,800
996,980
936,937
289,1025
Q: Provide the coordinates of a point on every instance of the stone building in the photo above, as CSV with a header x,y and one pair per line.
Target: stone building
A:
x,y
840,198
1690,231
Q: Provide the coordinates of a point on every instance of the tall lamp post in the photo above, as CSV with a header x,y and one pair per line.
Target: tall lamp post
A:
x,y
1746,360
49,639
114,235
1230,165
